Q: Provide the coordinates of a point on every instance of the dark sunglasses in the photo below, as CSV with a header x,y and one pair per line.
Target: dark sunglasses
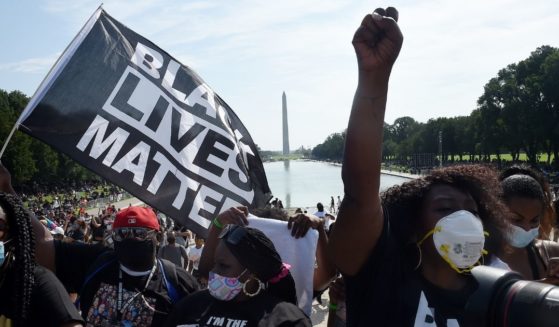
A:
x,y
232,234
137,233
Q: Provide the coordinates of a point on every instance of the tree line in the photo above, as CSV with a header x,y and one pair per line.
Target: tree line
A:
x,y
30,160
517,114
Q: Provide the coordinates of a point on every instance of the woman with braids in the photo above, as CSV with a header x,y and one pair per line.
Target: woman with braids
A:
x,y
406,254
248,286
527,195
29,294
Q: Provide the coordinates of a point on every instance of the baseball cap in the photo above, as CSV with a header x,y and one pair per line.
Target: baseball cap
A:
x,y
136,217
57,231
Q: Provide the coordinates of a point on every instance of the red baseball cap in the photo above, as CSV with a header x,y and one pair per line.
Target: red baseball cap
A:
x,y
136,217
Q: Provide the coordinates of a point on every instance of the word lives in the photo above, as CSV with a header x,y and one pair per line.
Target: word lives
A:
x,y
164,123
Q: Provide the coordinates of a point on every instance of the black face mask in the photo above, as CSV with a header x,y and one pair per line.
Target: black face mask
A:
x,y
136,255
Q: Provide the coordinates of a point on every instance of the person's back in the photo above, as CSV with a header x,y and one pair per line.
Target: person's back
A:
x,y
174,252
194,255
323,214
98,228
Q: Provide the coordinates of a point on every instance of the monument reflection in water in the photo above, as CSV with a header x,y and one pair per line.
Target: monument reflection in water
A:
x,y
300,183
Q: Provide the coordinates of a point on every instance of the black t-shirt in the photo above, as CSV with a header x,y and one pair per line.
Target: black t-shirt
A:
x,y
201,309
77,234
98,232
76,263
50,302
387,291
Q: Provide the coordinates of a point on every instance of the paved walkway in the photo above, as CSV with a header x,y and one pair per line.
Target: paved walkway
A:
x,y
399,174
119,205
319,315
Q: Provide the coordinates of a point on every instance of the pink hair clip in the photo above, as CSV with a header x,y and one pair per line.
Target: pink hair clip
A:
x,y
283,272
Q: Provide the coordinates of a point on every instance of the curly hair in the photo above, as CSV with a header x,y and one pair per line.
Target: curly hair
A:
x,y
23,245
549,217
403,203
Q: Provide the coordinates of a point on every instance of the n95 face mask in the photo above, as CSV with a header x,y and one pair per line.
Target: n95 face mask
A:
x,y
459,239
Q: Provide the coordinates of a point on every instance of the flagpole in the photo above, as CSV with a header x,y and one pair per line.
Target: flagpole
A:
x,y
8,140
59,65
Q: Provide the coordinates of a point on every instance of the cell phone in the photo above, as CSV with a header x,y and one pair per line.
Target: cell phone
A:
x,y
553,267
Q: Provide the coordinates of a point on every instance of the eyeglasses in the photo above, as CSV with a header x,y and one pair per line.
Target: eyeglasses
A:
x,y
138,233
233,234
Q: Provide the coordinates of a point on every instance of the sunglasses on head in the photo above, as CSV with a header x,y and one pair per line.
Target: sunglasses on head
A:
x,y
137,233
232,234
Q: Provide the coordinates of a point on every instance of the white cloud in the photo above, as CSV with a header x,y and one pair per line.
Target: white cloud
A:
x,y
30,65
250,51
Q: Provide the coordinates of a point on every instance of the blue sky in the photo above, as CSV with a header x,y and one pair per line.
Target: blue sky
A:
x,y
249,52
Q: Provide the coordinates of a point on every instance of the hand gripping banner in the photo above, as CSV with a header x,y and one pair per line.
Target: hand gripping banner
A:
x,y
127,110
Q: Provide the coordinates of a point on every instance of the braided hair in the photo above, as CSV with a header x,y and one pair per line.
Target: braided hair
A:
x,y
256,252
22,245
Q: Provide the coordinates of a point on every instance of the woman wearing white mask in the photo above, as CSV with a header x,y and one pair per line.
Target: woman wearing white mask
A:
x,y
523,193
248,286
405,255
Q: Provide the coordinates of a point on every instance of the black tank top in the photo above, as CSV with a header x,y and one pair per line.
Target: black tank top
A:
x,y
533,255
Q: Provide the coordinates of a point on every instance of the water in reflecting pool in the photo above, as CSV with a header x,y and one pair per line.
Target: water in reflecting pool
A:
x,y
304,183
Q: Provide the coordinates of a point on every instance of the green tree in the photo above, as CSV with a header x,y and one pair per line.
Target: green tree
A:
x,y
550,90
332,148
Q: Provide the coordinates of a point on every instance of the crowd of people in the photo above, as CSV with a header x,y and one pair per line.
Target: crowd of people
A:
x,y
402,257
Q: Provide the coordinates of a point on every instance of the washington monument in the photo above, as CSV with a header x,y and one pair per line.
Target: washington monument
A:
x,y
285,128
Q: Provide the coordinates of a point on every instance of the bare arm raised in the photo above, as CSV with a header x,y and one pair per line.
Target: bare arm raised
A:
x,y
377,43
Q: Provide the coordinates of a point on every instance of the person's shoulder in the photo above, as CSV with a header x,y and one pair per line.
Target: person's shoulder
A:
x,y
42,275
50,301
80,250
201,297
286,314
549,247
186,280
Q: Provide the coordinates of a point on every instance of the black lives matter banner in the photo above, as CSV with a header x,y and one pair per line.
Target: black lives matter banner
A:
x,y
127,110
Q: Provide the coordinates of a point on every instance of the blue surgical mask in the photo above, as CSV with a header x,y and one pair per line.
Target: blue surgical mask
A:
x,y
3,252
520,238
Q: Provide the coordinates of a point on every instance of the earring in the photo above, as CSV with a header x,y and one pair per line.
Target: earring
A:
x,y
420,257
260,288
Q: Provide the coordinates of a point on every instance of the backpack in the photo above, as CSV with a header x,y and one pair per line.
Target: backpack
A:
x,y
168,269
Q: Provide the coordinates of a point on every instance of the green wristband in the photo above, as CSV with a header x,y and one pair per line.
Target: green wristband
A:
x,y
217,223
332,306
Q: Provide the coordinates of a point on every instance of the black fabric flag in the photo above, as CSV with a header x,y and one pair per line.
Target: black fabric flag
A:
x,y
124,108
